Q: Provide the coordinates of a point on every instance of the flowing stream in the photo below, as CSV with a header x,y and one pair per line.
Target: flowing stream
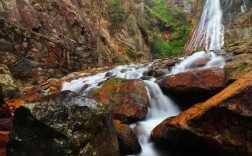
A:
x,y
209,32
161,106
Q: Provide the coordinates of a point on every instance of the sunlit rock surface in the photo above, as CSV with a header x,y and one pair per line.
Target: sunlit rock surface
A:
x,y
222,122
194,86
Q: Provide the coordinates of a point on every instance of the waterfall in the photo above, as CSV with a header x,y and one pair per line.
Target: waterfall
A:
x,y
209,32
244,5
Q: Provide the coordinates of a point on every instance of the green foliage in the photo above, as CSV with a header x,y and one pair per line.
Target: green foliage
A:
x,y
243,66
160,48
172,21
132,25
115,81
123,59
133,53
116,14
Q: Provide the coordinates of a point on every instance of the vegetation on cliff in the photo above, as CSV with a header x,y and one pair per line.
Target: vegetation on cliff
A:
x,y
173,29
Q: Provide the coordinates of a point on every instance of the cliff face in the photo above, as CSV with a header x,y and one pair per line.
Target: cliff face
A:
x,y
238,25
44,39
55,37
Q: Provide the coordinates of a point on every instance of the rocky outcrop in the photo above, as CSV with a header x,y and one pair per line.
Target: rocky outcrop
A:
x,y
127,99
8,86
222,123
191,7
194,86
239,66
238,29
62,124
33,56
128,141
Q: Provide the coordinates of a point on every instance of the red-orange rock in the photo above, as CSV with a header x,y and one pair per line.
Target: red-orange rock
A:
x,y
199,62
2,151
222,123
2,101
5,124
127,99
128,141
4,138
14,104
34,96
194,86
130,112
5,111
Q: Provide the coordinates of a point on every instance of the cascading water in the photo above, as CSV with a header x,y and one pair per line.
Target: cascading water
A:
x,y
209,33
244,5
161,107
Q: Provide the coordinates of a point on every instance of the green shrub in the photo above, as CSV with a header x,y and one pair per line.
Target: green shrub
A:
x,y
116,13
160,48
172,21
132,25
132,53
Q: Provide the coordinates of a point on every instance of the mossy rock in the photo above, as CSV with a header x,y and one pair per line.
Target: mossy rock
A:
x,y
240,65
120,95
63,124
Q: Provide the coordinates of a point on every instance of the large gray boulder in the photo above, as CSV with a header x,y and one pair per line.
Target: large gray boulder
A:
x,y
63,124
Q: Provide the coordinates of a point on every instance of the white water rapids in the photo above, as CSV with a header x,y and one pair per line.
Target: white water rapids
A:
x,y
161,106
209,32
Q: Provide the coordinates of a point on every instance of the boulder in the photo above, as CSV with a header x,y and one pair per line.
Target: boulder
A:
x,y
194,86
127,99
10,88
129,112
221,124
128,141
156,72
63,124
200,62
240,65
24,69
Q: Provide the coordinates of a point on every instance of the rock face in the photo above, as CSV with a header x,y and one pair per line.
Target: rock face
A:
x,y
238,29
31,55
195,85
239,66
127,99
222,122
62,124
128,141
8,86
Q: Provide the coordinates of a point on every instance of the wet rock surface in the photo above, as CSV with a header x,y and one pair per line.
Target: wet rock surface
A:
x,y
62,124
222,123
127,99
194,86
128,141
